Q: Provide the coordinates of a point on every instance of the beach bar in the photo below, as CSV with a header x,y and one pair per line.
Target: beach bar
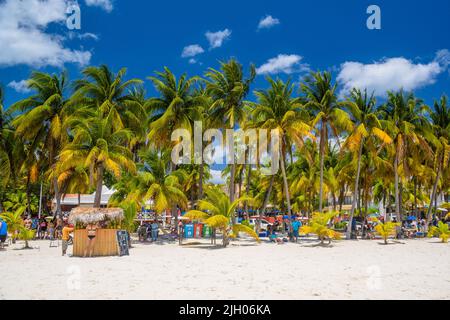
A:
x,y
106,243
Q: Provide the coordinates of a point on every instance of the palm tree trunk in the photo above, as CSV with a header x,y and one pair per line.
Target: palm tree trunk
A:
x,y
355,192
433,195
232,190
247,186
397,191
173,209
240,183
57,197
98,189
322,155
415,197
285,183
200,182
267,198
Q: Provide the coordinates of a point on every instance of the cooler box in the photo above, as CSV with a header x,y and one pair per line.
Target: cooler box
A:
x,y
189,231
207,232
198,228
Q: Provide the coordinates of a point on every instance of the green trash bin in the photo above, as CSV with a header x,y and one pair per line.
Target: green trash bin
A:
x,y
206,231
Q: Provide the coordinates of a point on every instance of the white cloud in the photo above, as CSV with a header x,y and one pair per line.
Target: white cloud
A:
x,y
283,63
268,22
104,4
20,86
23,36
191,51
216,39
392,74
216,177
192,61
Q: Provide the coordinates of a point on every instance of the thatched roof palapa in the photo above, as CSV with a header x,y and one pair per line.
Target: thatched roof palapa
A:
x,y
95,215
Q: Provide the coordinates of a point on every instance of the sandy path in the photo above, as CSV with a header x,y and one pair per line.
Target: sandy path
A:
x,y
417,269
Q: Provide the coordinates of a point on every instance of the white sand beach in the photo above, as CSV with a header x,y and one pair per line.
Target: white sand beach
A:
x,y
414,269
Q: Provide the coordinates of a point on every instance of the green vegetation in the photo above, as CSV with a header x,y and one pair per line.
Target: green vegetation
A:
x,y
74,137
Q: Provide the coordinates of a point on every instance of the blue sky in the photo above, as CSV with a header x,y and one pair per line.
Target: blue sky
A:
x,y
410,50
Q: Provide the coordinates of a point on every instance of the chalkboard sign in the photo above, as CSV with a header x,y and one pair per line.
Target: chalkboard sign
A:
x,y
122,241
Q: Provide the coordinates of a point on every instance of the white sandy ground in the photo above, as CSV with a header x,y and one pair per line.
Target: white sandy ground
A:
x,y
414,269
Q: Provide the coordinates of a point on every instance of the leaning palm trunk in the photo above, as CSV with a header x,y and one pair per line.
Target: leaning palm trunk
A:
x,y
98,189
397,191
433,196
358,172
268,193
322,155
57,197
285,183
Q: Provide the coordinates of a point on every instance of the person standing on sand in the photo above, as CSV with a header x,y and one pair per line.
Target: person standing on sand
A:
x,y
91,233
155,229
3,232
65,237
296,225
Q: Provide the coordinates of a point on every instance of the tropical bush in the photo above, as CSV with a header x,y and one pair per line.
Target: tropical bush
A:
x,y
219,212
319,226
26,235
442,231
385,230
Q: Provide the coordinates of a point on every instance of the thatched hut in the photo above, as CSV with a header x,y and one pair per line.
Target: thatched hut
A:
x,y
95,215
106,239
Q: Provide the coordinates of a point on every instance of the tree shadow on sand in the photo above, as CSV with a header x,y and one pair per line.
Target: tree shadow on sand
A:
x,y
393,242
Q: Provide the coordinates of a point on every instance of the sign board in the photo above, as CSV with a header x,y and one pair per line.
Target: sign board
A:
x,y
122,242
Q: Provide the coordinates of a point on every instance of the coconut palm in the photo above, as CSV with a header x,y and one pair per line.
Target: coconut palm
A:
x,y
41,121
154,181
319,226
276,109
405,121
440,139
440,231
364,115
109,96
177,106
228,89
385,230
98,146
329,117
220,210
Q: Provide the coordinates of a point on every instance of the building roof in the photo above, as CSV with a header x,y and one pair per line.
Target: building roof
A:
x,y
86,199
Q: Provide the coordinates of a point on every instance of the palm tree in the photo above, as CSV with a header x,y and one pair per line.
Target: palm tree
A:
x,y
220,213
154,181
99,147
228,89
363,112
6,163
108,96
322,101
177,107
276,109
440,139
405,122
42,120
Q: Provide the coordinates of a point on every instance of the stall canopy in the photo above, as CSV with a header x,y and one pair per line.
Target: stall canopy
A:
x,y
95,215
